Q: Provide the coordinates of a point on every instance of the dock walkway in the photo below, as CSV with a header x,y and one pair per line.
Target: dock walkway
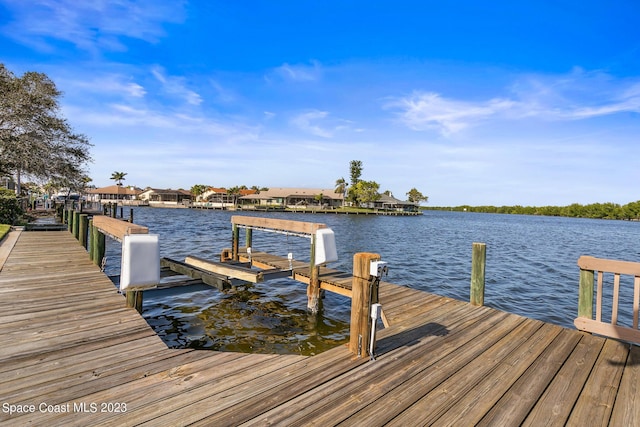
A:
x,y
71,353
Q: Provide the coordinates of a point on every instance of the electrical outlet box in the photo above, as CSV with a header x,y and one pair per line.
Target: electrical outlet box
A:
x,y
377,267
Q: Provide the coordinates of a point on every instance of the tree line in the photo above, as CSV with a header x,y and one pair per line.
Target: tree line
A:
x,y
629,211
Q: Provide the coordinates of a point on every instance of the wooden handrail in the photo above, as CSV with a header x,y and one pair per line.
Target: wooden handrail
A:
x,y
277,224
585,321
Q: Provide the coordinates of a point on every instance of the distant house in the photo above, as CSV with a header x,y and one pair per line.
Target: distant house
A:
x,y
114,194
295,198
215,195
390,203
166,197
221,198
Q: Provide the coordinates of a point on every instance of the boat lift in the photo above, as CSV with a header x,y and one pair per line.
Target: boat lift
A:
x,y
323,247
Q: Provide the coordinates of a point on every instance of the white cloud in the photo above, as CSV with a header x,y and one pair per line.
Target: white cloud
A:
x,y
308,123
300,72
89,25
422,111
576,96
110,85
144,120
176,86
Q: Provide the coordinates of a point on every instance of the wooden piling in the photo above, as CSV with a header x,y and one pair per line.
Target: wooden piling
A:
x,y
83,229
235,242
91,240
76,224
313,289
585,294
361,303
478,262
98,246
131,215
248,237
69,220
134,299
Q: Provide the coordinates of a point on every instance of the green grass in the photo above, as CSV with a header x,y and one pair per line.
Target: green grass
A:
x,y
4,230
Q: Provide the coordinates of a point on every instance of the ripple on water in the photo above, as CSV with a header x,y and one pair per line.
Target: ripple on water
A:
x,y
531,270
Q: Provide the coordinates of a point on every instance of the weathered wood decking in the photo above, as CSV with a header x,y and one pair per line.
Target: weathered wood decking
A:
x,y
67,339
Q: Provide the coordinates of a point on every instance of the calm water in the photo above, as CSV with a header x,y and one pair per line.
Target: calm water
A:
x,y
531,270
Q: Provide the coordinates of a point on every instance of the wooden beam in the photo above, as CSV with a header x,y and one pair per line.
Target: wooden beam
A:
x,y
607,329
117,228
277,224
228,270
212,279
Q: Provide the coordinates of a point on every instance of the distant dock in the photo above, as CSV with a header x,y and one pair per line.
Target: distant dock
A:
x,y
72,353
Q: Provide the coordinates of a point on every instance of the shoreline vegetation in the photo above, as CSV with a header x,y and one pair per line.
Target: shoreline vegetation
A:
x,y
628,212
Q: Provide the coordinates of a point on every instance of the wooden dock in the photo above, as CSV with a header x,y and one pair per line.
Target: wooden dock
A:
x,y
71,353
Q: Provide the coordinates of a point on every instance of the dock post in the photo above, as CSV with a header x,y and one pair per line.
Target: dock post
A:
x,y
69,220
248,237
83,228
313,289
585,294
235,244
92,240
76,224
131,215
99,246
478,262
361,303
134,299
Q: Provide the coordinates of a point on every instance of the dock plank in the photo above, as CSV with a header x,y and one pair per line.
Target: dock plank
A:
x,y
626,411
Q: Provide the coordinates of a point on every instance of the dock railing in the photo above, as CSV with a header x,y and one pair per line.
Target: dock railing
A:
x,y
590,267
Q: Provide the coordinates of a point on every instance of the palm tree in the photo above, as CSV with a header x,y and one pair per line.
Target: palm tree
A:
x,y
341,188
118,177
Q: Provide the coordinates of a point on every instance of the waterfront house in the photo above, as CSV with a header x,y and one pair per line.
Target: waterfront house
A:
x,y
215,195
299,198
221,198
160,197
389,203
118,194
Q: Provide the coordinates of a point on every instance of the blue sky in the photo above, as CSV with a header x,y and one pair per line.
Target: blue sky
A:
x,y
481,103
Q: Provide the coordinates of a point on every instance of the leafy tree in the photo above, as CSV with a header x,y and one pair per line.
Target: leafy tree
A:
x,y
198,189
34,139
118,177
366,192
10,207
414,196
